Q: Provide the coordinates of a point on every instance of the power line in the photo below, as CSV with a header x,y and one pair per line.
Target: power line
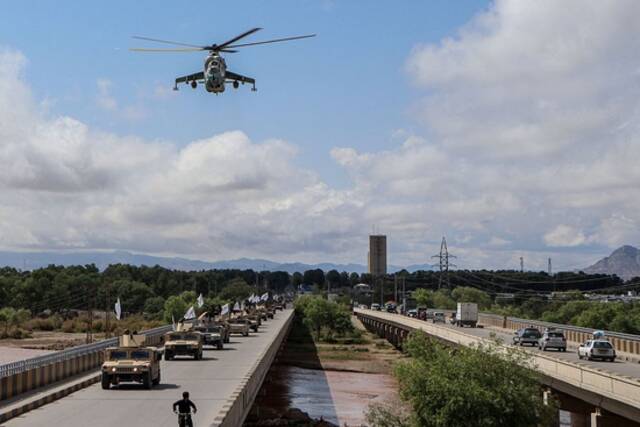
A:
x,y
443,257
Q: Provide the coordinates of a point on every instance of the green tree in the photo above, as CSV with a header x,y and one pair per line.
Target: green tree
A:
x,y
154,307
236,290
467,294
477,387
174,309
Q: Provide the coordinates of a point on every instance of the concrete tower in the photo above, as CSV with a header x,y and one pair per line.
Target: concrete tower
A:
x,y
377,255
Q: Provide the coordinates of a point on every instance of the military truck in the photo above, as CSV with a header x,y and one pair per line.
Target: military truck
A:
x,y
212,334
239,325
254,321
131,361
226,334
183,342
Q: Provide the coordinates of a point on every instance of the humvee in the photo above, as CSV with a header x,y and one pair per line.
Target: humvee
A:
x,y
183,342
212,334
131,361
225,330
239,326
255,320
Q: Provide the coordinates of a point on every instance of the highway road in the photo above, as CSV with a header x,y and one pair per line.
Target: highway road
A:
x,y
209,381
620,367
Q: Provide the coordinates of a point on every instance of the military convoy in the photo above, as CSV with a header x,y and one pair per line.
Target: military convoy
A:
x,y
131,361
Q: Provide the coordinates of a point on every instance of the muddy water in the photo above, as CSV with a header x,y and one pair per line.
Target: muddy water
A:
x,y
335,396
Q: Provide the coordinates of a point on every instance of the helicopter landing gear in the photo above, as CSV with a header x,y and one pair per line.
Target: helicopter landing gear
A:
x,y
253,89
236,85
194,84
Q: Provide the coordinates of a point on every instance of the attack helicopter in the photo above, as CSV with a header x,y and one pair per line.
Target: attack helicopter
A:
x,y
215,74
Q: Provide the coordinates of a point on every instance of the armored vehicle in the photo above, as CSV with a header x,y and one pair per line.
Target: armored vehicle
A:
x,y
183,343
131,361
212,334
239,326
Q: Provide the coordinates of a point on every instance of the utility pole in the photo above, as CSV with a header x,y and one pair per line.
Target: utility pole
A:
x,y
89,321
395,288
107,312
444,263
521,264
404,296
550,273
381,291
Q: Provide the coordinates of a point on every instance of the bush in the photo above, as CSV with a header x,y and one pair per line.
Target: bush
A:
x,y
69,326
478,386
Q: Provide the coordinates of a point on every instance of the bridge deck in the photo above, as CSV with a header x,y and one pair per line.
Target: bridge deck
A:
x,y
211,383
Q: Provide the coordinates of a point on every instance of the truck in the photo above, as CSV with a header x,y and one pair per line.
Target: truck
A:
x,y
467,314
131,361
183,342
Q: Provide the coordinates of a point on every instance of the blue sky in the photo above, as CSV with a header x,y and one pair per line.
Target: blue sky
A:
x,y
510,127
348,86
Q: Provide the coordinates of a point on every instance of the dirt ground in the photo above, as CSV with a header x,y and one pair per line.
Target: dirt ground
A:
x,y
52,341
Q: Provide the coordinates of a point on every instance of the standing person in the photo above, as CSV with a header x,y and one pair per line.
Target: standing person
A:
x,y
184,410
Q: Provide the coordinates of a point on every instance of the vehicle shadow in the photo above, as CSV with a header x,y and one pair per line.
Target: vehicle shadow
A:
x,y
133,386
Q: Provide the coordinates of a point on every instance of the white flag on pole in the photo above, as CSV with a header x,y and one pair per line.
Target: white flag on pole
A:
x,y
264,296
190,314
173,323
118,309
242,306
236,307
225,310
200,301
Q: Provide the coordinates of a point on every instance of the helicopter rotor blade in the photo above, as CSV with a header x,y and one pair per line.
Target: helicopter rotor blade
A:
x,y
236,38
165,41
186,49
228,51
272,41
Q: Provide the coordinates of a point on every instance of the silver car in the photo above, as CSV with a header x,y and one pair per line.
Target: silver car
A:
x,y
597,349
552,339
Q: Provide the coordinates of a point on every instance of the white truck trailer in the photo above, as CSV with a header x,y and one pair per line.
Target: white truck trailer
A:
x,y
467,314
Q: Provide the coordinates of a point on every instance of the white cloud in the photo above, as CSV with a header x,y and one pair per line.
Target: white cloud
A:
x,y
530,146
67,186
105,100
564,235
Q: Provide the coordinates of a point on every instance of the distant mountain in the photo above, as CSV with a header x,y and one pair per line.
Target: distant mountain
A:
x,y
623,262
33,260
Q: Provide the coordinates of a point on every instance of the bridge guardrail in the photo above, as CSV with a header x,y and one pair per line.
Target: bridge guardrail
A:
x,y
616,393
36,362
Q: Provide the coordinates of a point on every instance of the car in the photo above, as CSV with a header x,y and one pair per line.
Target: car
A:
x,y
390,308
438,317
375,306
552,339
363,307
597,349
412,313
529,336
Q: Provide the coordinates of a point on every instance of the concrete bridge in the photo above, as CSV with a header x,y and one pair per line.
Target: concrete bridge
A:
x,y
596,393
223,386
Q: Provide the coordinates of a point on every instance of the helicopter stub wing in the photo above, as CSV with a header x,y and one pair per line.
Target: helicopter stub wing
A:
x,y
190,78
236,78
230,75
